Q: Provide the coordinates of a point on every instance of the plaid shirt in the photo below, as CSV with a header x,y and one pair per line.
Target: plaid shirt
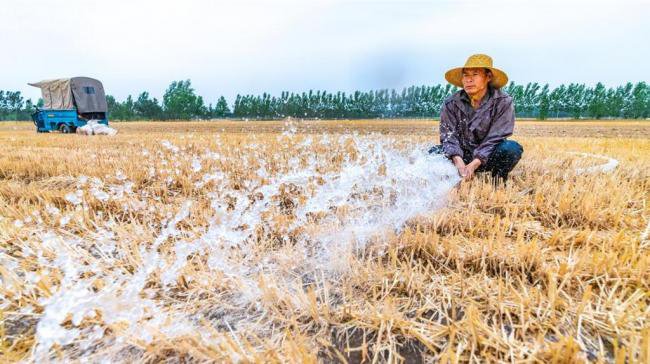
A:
x,y
475,133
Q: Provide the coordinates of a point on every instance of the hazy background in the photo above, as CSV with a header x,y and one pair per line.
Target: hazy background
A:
x,y
227,48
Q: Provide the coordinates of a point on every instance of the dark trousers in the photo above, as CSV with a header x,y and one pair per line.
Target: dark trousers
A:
x,y
503,159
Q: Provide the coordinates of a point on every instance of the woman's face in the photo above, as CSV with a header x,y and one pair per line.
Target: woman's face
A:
x,y
475,80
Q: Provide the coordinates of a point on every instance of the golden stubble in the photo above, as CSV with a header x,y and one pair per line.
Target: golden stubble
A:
x,y
552,268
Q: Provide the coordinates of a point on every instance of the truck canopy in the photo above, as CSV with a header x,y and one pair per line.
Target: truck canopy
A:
x,y
84,93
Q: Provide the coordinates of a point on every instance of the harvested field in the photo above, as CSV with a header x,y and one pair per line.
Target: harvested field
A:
x,y
330,241
586,128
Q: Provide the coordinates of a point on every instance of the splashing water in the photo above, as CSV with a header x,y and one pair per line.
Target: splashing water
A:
x,y
312,219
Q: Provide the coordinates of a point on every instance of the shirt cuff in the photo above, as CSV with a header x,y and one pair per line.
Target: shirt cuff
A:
x,y
453,152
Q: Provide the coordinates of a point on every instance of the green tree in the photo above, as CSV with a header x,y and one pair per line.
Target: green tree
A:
x,y
146,108
615,102
638,101
14,103
120,110
557,100
181,103
597,101
575,99
544,103
221,110
3,105
112,105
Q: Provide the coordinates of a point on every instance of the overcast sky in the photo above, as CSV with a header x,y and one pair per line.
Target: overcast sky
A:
x,y
230,47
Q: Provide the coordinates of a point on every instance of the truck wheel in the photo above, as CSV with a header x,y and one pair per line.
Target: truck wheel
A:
x,y
65,129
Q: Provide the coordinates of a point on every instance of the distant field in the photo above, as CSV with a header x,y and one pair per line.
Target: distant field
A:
x,y
333,241
581,128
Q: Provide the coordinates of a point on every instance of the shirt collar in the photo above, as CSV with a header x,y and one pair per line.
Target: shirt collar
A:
x,y
464,97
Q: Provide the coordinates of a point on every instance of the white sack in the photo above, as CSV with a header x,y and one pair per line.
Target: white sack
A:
x,y
95,128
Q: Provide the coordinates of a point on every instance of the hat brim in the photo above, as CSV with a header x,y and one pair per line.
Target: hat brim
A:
x,y
455,77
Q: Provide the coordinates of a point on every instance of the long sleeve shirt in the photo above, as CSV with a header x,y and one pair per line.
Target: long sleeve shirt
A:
x,y
475,133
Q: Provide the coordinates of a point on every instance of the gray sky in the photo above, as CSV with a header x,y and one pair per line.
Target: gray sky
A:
x,y
228,47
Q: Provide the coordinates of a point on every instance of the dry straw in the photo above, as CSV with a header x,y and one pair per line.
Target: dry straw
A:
x,y
121,249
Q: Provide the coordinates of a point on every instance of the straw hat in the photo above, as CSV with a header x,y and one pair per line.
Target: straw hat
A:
x,y
455,75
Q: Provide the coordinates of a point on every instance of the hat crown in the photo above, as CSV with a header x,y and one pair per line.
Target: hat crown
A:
x,y
455,75
478,61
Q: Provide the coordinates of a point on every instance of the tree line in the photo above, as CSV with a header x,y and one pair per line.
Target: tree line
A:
x,y
180,102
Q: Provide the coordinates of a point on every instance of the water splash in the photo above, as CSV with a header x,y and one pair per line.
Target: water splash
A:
x,y
313,213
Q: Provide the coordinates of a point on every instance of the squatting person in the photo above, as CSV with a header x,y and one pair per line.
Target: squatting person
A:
x,y
475,121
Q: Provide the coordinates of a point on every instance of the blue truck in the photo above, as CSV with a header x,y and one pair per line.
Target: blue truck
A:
x,y
70,103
